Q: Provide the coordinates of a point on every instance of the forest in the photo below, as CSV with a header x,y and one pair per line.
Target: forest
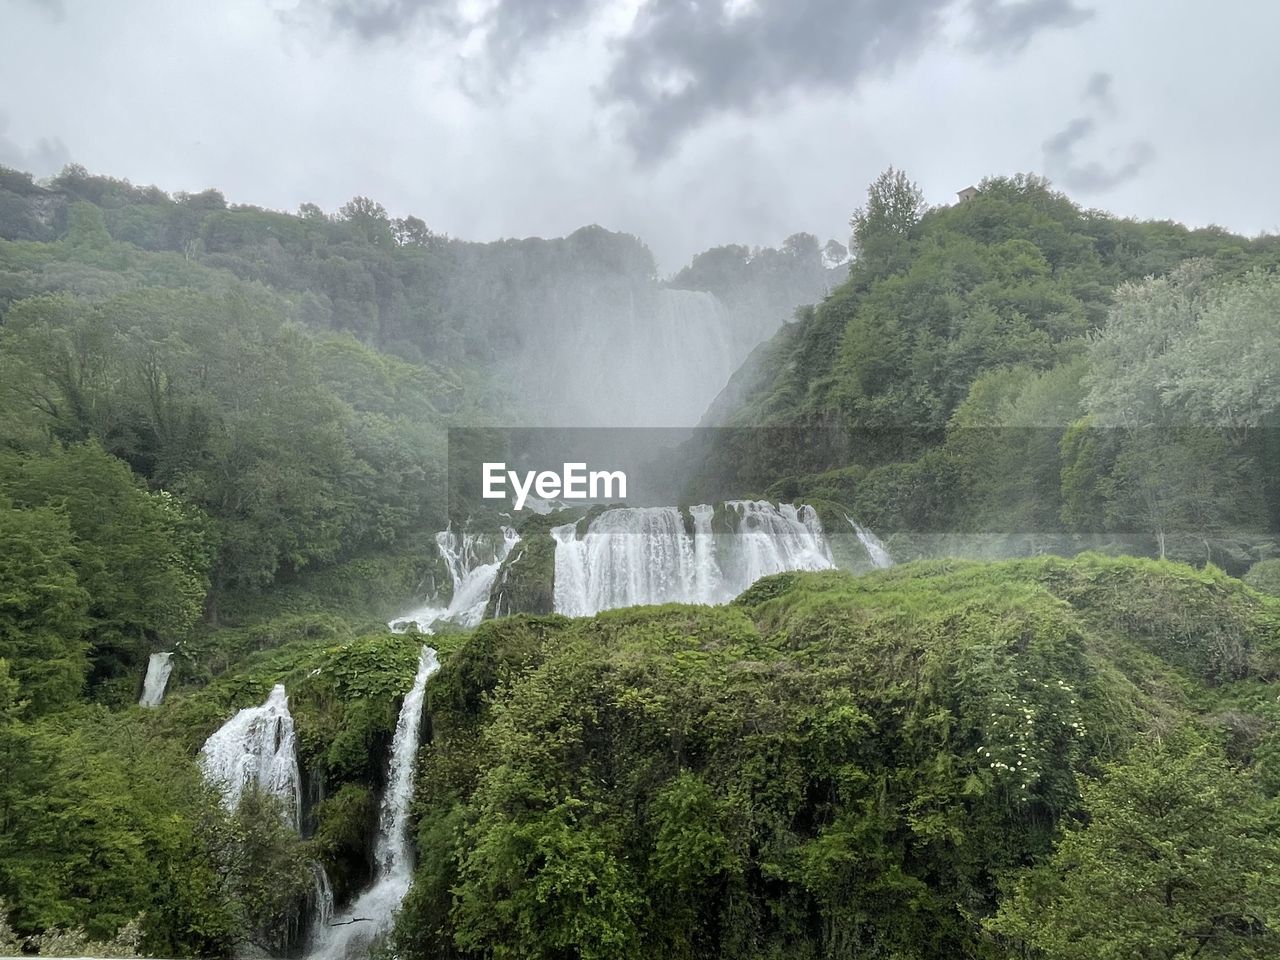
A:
x,y
1049,731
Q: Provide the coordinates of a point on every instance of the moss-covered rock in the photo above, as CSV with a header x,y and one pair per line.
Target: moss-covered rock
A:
x,y
526,580
341,840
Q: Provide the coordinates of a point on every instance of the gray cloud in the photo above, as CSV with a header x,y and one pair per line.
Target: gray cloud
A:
x,y
685,62
688,61
47,157
510,27
1098,90
1061,151
1008,25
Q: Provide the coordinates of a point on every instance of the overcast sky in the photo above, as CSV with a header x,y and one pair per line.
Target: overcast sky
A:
x,y
688,122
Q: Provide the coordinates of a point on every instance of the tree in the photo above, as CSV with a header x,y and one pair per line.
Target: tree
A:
x,y
1180,376
1174,858
368,218
835,253
801,246
894,207
1131,358
142,557
42,610
412,232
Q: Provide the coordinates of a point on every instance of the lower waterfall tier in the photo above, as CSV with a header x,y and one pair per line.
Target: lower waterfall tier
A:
x,y
646,555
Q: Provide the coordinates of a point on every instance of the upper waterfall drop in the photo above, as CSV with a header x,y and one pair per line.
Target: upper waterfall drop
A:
x,y
159,667
631,354
472,579
257,748
373,911
642,555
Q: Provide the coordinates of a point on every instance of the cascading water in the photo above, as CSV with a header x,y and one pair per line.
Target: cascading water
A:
x,y
159,666
770,539
624,355
321,899
257,748
372,912
641,555
472,580
877,553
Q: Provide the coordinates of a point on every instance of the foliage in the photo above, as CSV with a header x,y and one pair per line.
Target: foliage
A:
x,y
69,943
42,610
1170,860
140,557
1015,374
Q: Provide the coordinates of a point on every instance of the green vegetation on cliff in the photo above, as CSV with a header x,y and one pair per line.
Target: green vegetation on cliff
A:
x,y
1015,365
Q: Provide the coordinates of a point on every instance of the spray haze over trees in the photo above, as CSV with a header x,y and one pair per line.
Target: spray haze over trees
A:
x,y
729,726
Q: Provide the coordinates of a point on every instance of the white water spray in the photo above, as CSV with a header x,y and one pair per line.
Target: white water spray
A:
x,y
877,553
472,580
642,555
159,666
257,748
373,911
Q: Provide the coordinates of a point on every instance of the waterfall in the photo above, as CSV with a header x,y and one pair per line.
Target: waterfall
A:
x,y
619,355
373,911
706,571
472,574
158,669
321,898
641,555
773,539
877,553
257,748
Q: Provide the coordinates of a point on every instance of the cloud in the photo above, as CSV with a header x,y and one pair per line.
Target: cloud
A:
x,y
1009,25
682,63
47,157
1098,90
1061,151
685,62
510,28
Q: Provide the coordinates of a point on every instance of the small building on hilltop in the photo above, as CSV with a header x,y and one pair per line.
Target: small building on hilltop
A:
x,y
968,193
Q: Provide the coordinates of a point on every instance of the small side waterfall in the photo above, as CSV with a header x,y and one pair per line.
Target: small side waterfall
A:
x,y
158,669
257,747
321,898
877,553
373,911
641,555
472,580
